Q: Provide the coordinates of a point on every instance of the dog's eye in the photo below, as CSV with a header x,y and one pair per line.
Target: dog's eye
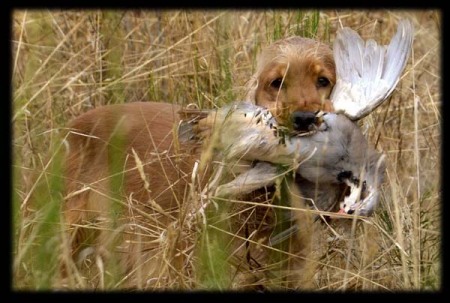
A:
x,y
323,82
276,83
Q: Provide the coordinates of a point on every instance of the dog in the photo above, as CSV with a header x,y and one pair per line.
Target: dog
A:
x,y
294,75
294,79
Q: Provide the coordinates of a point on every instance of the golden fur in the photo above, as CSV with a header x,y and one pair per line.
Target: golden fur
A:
x,y
144,185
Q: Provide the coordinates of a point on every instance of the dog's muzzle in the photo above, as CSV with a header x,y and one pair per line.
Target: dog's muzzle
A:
x,y
307,121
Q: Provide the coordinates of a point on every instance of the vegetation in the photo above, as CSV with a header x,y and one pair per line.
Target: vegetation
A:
x,y
67,62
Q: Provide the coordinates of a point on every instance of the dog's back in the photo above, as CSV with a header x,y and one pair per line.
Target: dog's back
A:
x,y
126,171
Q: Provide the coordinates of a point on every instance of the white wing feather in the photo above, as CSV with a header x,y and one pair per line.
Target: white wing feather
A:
x,y
367,73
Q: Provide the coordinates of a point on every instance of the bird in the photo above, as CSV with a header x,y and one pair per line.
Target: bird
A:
x,y
333,151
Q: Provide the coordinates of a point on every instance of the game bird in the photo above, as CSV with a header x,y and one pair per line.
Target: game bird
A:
x,y
333,151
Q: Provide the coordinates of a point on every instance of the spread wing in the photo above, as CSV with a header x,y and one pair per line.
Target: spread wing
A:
x,y
367,73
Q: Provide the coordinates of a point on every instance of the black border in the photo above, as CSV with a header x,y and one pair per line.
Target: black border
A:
x,y
25,296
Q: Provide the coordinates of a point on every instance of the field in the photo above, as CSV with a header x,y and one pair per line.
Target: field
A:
x,y
67,62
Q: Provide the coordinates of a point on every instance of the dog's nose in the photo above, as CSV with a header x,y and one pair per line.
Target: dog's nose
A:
x,y
302,121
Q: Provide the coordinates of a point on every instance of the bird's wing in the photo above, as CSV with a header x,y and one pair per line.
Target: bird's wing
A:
x,y
261,175
366,72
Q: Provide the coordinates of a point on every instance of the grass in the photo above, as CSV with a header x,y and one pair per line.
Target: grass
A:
x,y
66,62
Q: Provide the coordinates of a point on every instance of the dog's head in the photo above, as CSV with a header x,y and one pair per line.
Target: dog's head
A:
x,y
294,75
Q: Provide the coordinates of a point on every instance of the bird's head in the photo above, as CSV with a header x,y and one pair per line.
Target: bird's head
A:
x,y
363,187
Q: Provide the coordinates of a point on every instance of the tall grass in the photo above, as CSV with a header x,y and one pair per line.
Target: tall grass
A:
x,y
66,62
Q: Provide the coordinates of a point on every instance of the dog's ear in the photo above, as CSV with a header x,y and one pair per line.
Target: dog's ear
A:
x,y
366,72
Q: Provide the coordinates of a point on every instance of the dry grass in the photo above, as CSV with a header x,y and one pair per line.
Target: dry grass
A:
x,y
66,62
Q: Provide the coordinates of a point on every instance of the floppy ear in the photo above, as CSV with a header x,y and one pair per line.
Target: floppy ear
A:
x,y
367,73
